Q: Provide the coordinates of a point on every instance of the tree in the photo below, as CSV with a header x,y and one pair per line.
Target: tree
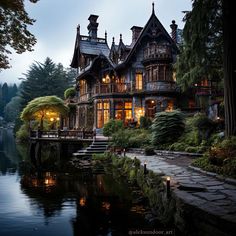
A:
x,y
44,79
14,33
202,48
48,107
229,67
12,109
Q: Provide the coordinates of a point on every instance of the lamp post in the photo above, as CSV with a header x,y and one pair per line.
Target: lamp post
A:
x,y
168,186
145,168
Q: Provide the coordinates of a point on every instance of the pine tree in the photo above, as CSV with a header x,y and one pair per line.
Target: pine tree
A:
x,y
202,49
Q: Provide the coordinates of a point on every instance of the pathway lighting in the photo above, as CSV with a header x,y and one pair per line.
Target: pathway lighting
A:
x,y
168,186
145,168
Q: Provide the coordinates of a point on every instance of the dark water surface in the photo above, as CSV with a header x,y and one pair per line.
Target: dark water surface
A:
x,y
61,204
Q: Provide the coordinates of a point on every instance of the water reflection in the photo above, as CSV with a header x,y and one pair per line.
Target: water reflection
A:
x,y
55,203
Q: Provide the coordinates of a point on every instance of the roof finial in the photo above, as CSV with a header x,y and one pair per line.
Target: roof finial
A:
x,y
105,35
153,11
120,37
78,28
113,40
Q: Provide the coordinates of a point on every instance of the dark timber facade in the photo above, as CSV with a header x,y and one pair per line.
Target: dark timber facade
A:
x,y
125,81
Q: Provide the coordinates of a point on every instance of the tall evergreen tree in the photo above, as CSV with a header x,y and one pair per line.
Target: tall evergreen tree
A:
x,y
44,79
201,52
229,67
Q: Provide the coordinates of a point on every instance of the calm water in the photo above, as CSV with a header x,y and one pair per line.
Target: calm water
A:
x,y
57,204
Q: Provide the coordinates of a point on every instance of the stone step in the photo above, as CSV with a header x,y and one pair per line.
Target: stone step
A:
x,y
96,148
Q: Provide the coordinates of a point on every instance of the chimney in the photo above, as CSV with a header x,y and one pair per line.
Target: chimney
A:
x,y
93,26
174,27
136,30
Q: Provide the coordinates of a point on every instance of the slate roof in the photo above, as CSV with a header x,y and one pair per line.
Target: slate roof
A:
x,y
94,48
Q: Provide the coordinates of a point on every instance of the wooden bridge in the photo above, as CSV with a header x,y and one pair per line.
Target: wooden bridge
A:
x,y
60,135
66,141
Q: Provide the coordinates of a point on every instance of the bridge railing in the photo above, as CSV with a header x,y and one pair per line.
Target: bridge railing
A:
x,y
65,134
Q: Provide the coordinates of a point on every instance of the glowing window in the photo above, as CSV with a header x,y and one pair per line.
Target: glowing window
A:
x,y
139,81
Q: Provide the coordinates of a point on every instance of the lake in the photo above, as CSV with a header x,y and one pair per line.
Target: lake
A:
x,y
62,204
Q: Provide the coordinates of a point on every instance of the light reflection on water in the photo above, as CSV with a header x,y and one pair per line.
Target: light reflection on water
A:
x,y
52,204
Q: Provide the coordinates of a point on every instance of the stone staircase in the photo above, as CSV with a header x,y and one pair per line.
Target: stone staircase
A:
x,y
98,146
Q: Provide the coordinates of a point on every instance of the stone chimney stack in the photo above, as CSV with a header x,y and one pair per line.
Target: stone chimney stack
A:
x,y
136,30
174,27
93,26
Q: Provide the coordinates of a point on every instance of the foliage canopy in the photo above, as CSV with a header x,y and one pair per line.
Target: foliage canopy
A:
x,y
14,33
43,107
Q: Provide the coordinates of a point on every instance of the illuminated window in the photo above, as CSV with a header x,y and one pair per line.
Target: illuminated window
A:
x,y
128,105
123,111
82,87
139,81
103,113
170,106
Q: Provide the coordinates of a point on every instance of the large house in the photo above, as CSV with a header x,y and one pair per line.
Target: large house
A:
x,y
124,82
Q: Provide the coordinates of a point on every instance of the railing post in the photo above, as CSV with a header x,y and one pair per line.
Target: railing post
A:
x,y
83,134
39,133
58,133
94,135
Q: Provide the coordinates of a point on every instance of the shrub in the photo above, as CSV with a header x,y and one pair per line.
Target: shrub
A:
x,y
145,122
69,93
121,138
167,127
204,125
22,135
149,151
112,126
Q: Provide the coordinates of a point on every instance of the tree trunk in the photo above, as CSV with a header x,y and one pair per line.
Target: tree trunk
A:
x,y
229,68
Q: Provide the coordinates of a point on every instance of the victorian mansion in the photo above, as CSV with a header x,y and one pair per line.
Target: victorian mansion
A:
x,y
125,81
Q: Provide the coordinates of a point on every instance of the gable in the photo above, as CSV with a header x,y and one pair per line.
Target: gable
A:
x,y
153,31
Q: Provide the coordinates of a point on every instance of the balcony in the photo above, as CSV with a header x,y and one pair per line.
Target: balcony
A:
x,y
157,53
161,86
112,88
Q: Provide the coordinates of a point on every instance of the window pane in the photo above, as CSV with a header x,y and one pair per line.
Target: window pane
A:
x,y
128,105
106,116
118,114
99,119
99,105
106,105
139,81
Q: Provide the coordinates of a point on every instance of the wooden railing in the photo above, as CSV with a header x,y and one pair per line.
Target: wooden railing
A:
x,y
112,88
157,52
64,134
162,86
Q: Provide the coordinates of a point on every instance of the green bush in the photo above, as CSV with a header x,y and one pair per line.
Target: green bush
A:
x,y
149,151
145,122
69,93
204,125
178,146
22,135
112,126
167,127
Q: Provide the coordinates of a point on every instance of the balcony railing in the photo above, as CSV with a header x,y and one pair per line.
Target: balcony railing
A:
x,y
157,52
112,88
162,86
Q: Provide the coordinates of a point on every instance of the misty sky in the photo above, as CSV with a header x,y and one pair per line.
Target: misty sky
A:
x,y
56,22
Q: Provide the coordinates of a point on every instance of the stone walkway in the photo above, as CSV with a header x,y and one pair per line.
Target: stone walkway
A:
x,y
214,196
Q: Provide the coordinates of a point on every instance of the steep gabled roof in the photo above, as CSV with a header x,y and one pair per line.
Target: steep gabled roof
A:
x,y
75,59
156,28
94,48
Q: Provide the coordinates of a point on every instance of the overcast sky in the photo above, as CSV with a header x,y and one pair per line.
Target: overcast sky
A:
x,y
56,22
